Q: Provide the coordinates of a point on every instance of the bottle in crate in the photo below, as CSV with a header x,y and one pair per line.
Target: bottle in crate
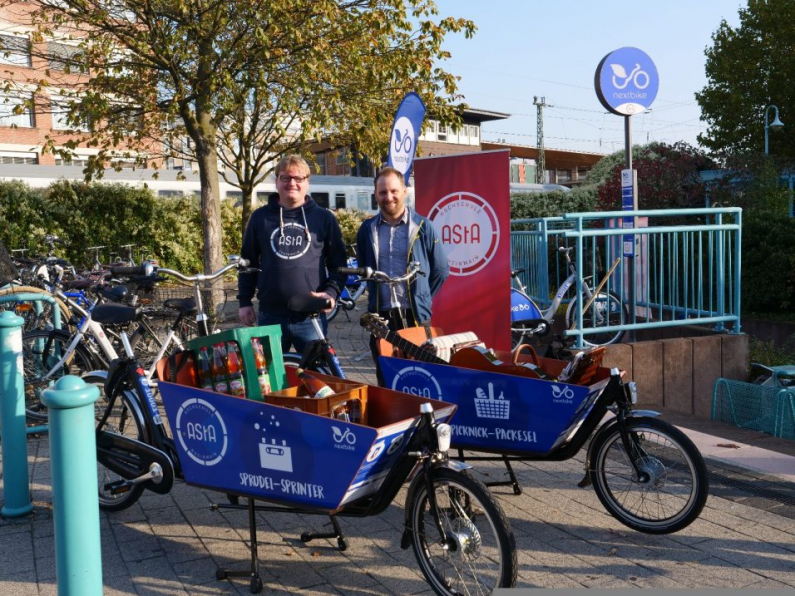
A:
x,y
204,370
316,387
355,411
234,367
219,369
262,366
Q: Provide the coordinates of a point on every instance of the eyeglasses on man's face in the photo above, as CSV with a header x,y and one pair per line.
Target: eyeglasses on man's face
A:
x,y
297,179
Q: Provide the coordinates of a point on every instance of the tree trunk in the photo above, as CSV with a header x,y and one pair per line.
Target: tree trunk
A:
x,y
207,159
248,208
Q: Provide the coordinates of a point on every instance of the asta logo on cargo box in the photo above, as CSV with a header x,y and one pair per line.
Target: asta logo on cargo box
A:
x,y
416,380
202,432
470,231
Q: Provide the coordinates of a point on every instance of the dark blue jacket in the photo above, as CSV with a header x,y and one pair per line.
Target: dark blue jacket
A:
x,y
425,246
294,249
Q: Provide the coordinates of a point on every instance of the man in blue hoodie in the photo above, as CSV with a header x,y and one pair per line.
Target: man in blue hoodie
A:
x,y
388,242
294,242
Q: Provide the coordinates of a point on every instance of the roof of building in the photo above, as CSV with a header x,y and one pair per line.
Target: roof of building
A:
x,y
484,115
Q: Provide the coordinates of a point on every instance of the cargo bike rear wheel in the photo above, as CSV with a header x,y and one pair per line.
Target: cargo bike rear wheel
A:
x,y
479,553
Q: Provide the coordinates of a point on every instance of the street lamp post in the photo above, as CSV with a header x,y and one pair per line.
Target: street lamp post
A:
x,y
775,125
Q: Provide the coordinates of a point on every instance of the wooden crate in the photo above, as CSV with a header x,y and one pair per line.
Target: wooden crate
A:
x,y
297,398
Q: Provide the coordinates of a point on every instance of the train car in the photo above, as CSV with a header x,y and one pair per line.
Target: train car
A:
x,y
332,192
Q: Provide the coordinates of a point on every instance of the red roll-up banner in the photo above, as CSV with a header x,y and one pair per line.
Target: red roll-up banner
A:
x,y
467,197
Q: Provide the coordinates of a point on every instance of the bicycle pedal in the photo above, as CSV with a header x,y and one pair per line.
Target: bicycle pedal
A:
x,y
118,487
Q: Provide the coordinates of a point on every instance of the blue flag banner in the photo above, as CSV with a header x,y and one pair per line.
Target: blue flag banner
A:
x,y
405,132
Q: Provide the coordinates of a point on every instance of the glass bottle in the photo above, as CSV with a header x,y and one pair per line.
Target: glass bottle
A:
x,y
315,387
205,373
219,370
355,411
234,366
262,366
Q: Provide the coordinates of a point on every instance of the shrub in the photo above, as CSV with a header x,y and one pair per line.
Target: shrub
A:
x,y
350,220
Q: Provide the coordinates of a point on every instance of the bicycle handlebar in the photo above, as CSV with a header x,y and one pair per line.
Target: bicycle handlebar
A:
x,y
240,264
145,269
369,274
308,304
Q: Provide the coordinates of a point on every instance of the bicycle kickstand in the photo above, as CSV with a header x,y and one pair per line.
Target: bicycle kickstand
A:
x,y
342,544
512,481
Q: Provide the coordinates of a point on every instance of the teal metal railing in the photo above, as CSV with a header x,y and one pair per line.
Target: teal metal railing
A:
x,y
687,268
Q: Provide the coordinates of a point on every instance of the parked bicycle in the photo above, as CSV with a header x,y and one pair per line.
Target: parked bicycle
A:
x,y
127,407
601,310
319,355
647,473
351,292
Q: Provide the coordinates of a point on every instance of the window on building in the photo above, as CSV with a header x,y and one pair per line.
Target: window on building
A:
x,y
18,157
75,161
59,107
442,134
342,157
169,193
63,57
474,134
321,198
430,131
14,111
339,200
14,49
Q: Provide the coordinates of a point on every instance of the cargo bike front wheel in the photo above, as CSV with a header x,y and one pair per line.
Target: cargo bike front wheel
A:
x,y
659,485
477,553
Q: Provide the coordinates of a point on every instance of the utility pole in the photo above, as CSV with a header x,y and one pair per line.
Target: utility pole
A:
x,y
541,168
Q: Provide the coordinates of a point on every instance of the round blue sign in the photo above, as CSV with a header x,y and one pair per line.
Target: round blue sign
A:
x,y
626,81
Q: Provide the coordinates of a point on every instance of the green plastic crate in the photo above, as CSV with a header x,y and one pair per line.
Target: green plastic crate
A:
x,y
270,337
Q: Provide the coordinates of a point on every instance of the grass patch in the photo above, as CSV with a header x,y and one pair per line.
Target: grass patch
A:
x,y
767,353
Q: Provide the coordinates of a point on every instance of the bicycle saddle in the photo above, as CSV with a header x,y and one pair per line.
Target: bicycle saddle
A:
x,y
114,294
115,314
187,306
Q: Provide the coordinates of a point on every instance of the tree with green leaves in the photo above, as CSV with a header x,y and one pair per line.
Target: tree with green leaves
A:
x,y
749,68
243,81
668,177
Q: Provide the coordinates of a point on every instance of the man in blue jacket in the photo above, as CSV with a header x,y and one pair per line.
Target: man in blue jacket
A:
x,y
388,242
294,242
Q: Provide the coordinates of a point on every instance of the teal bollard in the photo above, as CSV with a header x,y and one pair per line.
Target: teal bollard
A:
x,y
73,457
12,419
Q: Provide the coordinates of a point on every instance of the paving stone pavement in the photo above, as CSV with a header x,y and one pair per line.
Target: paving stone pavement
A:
x,y
172,544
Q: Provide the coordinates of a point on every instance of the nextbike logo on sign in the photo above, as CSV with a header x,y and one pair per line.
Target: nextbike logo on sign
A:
x,y
470,231
290,242
415,380
202,432
402,145
626,81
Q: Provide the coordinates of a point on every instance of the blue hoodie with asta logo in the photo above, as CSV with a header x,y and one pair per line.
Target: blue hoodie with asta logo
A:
x,y
294,249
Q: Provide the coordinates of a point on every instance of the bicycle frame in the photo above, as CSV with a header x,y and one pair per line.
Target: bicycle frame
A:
x,y
94,329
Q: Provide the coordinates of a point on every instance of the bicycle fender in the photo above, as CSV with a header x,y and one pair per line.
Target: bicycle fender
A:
x,y
102,374
640,413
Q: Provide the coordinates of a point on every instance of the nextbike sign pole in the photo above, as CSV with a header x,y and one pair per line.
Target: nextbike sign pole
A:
x,y
629,201
626,83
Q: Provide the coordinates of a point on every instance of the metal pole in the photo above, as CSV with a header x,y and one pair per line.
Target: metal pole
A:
x,y
73,457
631,263
12,419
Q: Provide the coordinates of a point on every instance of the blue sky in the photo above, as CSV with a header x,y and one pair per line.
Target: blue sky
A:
x,y
525,48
